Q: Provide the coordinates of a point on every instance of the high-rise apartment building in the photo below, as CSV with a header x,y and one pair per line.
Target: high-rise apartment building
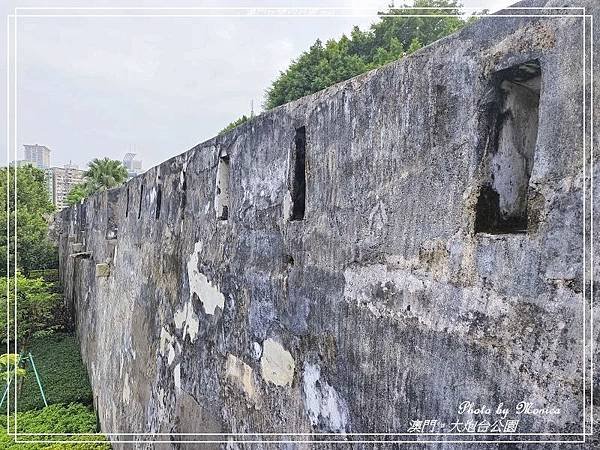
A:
x,y
133,165
36,155
60,181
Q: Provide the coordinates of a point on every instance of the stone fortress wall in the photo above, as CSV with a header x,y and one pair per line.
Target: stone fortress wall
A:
x,y
369,255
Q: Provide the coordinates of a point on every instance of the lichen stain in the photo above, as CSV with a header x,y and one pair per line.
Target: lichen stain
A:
x,y
209,295
277,364
325,408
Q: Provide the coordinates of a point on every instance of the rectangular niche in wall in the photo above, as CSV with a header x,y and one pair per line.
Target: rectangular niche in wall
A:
x,y
298,176
141,201
222,189
502,202
158,201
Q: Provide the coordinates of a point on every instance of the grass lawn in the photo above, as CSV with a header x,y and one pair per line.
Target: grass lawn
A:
x,y
68,393
61,370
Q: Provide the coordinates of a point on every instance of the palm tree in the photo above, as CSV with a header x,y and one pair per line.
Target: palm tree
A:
x,y
104,174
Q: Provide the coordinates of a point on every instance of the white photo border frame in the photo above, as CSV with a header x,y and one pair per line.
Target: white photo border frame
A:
x,y
275,13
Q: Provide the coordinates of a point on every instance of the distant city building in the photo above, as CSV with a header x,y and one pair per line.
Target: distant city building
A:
x,y
20,163
133,165
36,155
60,180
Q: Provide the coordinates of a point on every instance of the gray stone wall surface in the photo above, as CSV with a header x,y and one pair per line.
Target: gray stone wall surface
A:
x,y
385,303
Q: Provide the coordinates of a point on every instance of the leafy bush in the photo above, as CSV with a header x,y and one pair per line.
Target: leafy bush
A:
x,y
236,123
37,302
61,370
9,367
72,418
77,193
48,275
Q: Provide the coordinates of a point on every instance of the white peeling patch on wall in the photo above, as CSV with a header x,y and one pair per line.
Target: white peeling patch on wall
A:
x,y
182,174
166,341
126,389
186,318
177,377
277,364
287,205
240,375
169,346
325,408
171,356
209,295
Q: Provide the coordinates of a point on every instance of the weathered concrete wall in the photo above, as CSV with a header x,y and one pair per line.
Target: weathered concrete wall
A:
x,y
383,305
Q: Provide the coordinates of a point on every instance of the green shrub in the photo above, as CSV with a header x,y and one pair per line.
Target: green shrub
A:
x,y
48,275
72,418
37,302
236,123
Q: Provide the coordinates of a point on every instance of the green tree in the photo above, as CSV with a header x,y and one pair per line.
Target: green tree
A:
x,y
406,27
385,41
299,79
104,174
77,193
33,208
384,55
338,64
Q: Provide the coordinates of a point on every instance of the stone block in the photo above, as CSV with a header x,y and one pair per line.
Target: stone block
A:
x,y
77,247
102,270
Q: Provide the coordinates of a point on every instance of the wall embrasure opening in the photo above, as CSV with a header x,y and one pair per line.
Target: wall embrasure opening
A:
x,y
502,202
222,189
141,200
298,180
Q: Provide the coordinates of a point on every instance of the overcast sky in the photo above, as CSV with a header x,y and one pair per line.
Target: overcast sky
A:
x,y
103,86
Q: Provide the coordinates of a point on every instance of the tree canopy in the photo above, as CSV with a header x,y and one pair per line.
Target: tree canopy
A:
x,y
391,38
34,251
